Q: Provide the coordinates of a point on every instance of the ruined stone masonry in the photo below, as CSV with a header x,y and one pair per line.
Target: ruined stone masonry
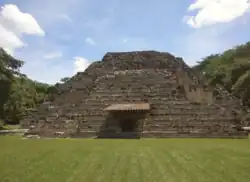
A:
x,y
134,95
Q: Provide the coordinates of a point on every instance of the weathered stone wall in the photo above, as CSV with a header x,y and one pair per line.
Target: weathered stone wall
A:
x,y
171,114
158,78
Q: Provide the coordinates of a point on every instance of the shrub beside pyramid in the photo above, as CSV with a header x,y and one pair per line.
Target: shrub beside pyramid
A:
x,y
137,94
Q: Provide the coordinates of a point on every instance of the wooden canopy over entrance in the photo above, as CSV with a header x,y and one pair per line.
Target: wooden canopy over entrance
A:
x,y
128,107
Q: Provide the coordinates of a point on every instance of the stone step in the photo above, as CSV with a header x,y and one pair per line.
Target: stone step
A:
x,y
94,119
125,93
116,97
194,135
117,94
134,87
210,120
178,112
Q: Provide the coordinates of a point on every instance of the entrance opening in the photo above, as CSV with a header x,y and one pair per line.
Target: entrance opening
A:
x,y
128,125
124,121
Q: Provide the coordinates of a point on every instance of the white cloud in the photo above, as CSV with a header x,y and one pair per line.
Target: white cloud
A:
x,y
203,42
14,23
48,73
65,17
53,55
90,41
80,64
211,12
8,40
18,21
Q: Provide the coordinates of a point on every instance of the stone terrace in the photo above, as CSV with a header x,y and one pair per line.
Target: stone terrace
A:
x,y
180,104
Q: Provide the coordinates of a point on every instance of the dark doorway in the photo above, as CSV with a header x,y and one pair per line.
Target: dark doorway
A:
x,y
123,124
128,125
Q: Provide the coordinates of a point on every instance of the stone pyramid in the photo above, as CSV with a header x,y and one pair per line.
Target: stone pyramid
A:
x,y
134,95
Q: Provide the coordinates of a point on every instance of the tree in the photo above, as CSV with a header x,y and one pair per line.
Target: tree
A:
x,y
9,68
230,69
65,79
18,92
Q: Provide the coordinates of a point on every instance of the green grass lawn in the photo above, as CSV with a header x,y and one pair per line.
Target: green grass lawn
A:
x,y
80,160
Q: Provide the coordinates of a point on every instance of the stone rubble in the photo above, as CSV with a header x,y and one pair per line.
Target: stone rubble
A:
x,y
182,104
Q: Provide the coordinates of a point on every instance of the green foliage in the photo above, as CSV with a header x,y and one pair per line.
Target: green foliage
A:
x,y
230,69
1,124
24,94
9,68
65,79
18,92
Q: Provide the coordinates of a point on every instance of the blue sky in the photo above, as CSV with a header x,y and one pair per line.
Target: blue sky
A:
x,y
68,35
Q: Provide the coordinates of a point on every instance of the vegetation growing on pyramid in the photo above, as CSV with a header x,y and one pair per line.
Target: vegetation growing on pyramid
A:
x,y
230,69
